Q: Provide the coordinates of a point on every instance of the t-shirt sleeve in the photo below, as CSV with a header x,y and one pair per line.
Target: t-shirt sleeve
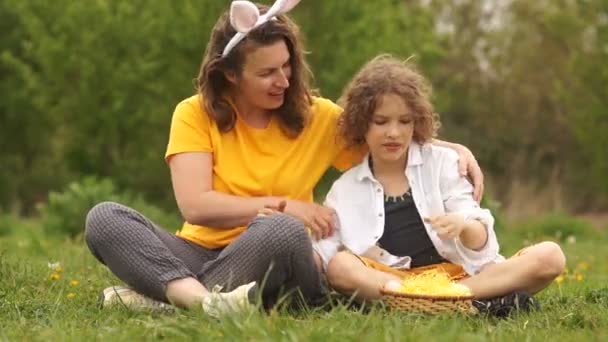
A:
x,y
190,130
345,157
348,157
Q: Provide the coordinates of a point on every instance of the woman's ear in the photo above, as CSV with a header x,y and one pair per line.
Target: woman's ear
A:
x,y
231,76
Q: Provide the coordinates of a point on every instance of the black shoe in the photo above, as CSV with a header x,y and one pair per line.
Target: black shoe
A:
x,y
504,306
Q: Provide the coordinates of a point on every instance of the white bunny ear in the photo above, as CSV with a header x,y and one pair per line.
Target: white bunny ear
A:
x,y
287,5
243,15
280,7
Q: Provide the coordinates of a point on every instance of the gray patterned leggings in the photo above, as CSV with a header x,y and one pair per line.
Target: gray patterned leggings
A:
x,y
275,250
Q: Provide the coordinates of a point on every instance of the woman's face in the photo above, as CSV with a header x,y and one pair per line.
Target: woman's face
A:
x,y
265,76
391,129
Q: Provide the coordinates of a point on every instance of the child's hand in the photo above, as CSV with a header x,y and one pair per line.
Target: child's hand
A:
x,y
448,226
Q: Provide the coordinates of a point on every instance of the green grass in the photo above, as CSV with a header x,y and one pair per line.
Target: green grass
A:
x,y
34,307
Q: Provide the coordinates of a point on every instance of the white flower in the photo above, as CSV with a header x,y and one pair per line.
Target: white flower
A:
x,y
53,265
571,239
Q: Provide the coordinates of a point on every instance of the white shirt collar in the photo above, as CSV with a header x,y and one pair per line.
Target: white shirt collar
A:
x,y
414,158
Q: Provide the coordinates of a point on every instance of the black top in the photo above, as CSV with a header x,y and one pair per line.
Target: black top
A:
x,y
404,232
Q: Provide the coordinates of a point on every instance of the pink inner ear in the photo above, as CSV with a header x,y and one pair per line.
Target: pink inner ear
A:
x,y
243,15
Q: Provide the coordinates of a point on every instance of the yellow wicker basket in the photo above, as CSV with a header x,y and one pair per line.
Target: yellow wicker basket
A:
x,y
428,304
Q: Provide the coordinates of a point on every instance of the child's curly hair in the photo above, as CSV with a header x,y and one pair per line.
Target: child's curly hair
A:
x,y
386,75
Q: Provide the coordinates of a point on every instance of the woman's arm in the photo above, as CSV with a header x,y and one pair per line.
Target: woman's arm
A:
x,y
191,175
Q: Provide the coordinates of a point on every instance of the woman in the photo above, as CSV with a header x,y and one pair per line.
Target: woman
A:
x,y
252,137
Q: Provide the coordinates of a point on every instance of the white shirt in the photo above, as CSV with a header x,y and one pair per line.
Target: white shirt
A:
x,y
437,189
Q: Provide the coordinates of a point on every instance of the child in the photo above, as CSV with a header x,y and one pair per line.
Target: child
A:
x,y
406,208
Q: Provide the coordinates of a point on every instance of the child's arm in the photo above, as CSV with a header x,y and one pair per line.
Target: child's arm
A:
x,y
476,241
471,233
467,166
328,247
474,235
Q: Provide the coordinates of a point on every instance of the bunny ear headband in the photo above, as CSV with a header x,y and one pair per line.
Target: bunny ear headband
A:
x,y
245,16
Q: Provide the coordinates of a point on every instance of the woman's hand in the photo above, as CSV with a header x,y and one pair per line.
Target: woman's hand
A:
x,y
318,218
467,166
270,209
448,226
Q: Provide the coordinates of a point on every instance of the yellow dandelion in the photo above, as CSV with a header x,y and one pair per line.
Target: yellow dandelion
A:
x,y
583,265
579,277
559,279
58,269
55,276
74,282
71,295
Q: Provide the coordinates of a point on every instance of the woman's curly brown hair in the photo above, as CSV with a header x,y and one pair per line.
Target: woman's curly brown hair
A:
x,y
212,84
386,75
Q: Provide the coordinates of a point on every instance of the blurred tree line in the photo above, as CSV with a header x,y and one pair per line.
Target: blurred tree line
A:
x,y
87,88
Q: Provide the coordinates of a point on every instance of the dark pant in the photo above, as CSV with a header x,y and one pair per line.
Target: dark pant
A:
x,y
274,251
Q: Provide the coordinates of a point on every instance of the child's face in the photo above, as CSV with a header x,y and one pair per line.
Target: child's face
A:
x,y
391,129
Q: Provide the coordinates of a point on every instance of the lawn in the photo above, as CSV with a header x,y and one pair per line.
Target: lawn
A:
x,y
42,301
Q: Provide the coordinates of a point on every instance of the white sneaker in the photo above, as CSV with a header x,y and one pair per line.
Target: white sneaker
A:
x,y
218,303
127,297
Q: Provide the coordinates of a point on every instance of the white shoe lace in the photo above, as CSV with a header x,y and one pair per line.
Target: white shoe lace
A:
x,y
217,303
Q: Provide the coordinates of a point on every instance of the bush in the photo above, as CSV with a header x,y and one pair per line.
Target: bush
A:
x,y
169,221
65,212
88,87
7,224
494,206
560,227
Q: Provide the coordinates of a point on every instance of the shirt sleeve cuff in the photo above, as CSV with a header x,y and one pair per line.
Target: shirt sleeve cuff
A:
x,y
474,260
326,250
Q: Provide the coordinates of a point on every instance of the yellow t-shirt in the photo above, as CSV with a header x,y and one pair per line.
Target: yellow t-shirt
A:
x,y
250,162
